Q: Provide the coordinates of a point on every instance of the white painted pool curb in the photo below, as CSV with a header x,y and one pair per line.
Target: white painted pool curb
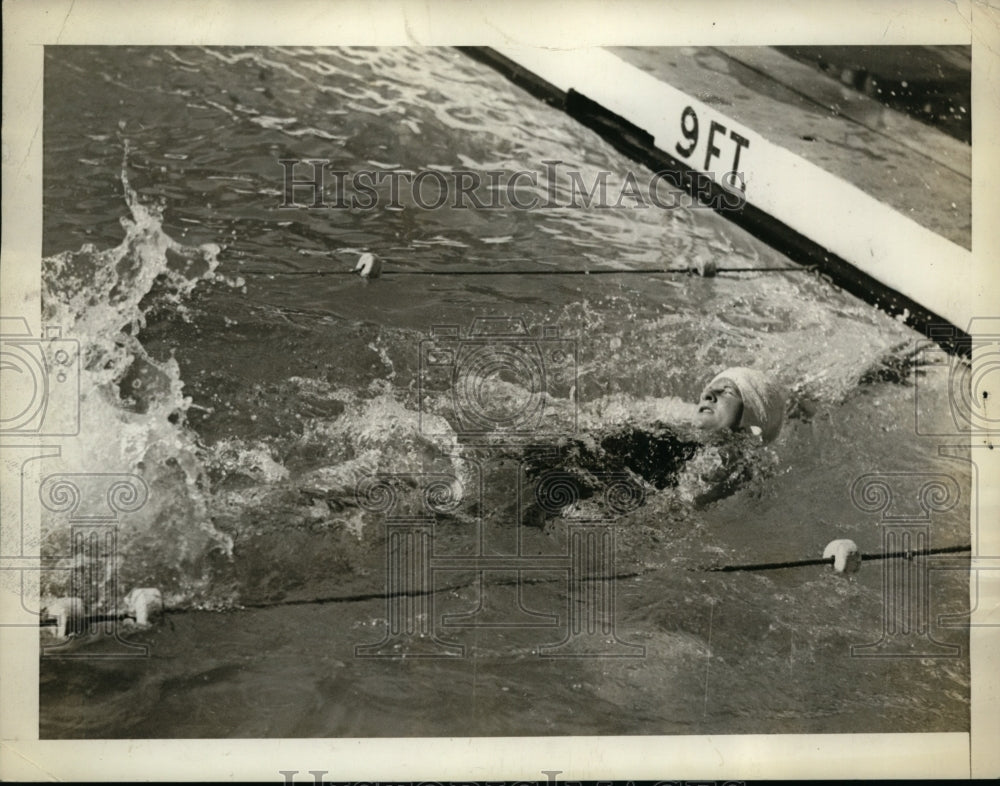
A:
x,y
872,236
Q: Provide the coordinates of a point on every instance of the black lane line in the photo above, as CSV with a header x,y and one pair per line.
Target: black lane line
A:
x,y
829,560
602,271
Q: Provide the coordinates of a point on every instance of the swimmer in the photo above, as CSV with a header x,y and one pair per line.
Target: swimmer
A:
x,y
746,404
738,410
742,399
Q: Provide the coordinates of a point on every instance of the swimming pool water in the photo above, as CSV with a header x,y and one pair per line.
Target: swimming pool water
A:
x,y
253,395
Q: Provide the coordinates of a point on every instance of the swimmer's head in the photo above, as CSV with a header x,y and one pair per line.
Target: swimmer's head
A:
x,y
720,407
742,399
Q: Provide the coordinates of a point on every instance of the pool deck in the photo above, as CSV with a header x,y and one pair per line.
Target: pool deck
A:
x,y
831,177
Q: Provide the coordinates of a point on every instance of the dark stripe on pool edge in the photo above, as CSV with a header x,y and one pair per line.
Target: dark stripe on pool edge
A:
x,y
637,144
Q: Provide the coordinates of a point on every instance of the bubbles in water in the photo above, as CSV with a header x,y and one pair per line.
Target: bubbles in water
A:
x,y
131,405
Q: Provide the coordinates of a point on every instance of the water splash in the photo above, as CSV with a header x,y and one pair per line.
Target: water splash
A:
x,y
132,406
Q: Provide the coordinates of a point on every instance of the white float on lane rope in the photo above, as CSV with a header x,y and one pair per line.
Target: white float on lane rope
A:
x,y
369,266
67,612
845,554
144,603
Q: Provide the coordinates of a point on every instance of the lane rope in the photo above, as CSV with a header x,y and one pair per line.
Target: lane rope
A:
x,y
93,619
602,271
830,560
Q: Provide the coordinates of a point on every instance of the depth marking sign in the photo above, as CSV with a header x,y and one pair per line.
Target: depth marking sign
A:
x,y
883,243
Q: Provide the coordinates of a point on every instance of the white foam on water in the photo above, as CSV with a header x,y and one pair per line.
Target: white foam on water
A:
x,y
132,406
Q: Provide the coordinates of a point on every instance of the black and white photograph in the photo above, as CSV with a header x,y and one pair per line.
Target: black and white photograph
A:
x,y
423,387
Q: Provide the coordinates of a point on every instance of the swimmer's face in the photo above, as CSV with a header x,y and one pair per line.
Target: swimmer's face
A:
x,y
720,406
